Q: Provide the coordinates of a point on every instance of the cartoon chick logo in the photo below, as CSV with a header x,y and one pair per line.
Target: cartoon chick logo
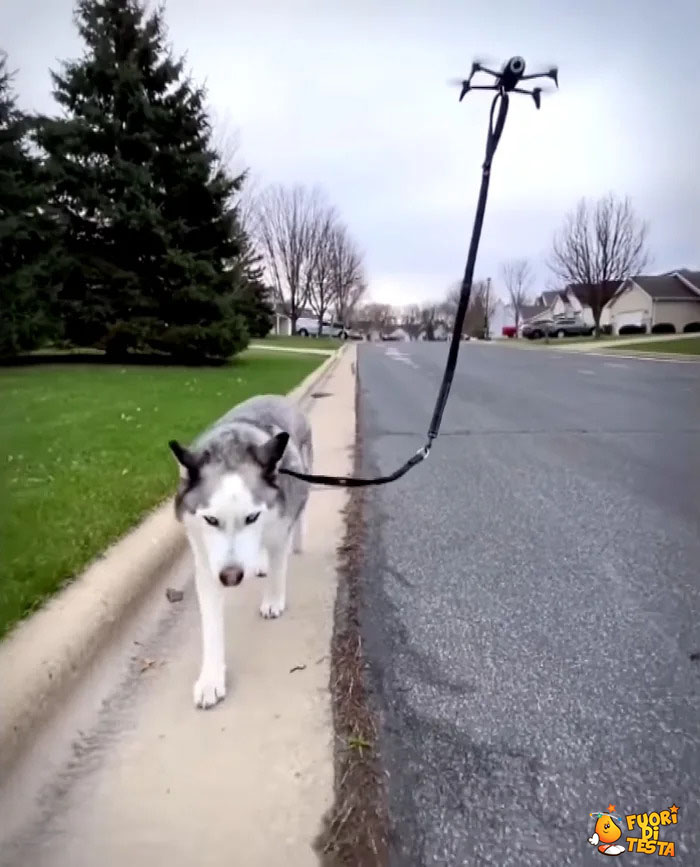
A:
x,y
642,827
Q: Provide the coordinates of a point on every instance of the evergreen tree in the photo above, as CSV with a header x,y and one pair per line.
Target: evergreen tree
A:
x,y
254,297
148,226
26,231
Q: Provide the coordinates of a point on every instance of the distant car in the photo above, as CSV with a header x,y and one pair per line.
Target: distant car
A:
x,y
308,327
562,327
534,330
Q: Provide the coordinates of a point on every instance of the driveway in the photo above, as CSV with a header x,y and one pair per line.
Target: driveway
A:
x,y
532,617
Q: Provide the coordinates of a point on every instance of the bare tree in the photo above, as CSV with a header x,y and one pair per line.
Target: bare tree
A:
x,y
321,290
482,305
286,225
599,245
429,319
347,274
410,314
226,143
485,292
517,276
450,303
381,316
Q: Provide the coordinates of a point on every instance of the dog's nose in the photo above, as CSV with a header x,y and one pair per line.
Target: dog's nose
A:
x,y
231,576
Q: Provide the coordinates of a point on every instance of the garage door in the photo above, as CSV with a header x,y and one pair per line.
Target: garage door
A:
x,y
635,317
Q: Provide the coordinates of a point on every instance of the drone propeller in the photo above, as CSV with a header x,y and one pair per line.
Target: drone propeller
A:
x,y
487,60
544,70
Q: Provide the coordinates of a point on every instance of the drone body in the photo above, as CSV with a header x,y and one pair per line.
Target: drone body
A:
x,y
508,79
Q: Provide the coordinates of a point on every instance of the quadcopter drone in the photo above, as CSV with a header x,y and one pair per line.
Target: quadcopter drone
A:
x,y
508,79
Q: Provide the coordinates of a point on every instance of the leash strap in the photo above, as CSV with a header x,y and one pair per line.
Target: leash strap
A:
x,y
493,137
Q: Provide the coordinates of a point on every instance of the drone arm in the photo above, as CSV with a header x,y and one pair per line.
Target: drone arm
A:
x,y
480,68
553,74
536,94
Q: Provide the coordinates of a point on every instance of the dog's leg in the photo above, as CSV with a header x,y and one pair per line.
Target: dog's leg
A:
x,y
210,687
275,592
263,561
298,532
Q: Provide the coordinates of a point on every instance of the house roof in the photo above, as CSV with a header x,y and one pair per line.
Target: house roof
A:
x,y
584,291
527,311
550,296
667,287
691,276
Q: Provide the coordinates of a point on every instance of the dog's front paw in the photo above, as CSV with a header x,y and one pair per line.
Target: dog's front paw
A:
x,y
272,608
209,689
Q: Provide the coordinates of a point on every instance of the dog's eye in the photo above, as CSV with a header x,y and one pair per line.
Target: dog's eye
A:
x,y
252,518
211,520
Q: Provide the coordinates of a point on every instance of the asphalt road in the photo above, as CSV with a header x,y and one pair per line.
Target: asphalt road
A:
x,y
533,605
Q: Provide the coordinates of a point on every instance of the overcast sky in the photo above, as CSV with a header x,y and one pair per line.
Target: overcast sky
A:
x,y
352,96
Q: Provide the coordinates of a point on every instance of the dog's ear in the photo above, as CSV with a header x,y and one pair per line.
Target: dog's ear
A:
x,y
269,454
190,464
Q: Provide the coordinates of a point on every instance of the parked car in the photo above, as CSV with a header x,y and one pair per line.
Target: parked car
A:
x,y
561,327
308,327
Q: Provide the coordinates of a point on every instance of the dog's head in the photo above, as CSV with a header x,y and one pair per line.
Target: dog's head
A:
x,y
223,499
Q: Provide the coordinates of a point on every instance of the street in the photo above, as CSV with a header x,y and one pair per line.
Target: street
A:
x,y
532,611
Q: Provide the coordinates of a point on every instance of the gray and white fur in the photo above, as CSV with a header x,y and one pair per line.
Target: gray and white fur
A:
x,y
242,515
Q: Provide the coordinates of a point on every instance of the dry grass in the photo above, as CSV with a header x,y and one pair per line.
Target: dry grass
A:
x,y
356,830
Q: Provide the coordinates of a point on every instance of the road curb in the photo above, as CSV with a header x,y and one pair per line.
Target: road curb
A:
x,y
44,657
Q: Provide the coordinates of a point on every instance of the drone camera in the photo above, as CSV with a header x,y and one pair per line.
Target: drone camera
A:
x,y
516,66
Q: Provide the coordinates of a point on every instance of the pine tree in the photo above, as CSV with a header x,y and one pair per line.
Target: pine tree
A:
x,y
254,297
148,225
26,231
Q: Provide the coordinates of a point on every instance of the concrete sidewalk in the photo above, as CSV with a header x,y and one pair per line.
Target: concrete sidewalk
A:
x,y
270,347
150,779
603,345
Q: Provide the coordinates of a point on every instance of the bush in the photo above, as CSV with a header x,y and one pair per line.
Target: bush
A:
x,y
632,329
215,342
691,328
663,328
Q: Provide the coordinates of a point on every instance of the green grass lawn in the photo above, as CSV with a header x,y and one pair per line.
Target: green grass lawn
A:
x,y
682,346
302,342
84,454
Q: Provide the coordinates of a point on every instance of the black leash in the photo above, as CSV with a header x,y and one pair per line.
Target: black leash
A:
x,y
500,102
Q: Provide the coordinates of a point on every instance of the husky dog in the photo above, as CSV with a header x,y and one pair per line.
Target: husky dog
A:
x,y
241,515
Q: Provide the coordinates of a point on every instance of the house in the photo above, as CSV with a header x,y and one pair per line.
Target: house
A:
x,y
663,304
556,302
583,298
281,323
